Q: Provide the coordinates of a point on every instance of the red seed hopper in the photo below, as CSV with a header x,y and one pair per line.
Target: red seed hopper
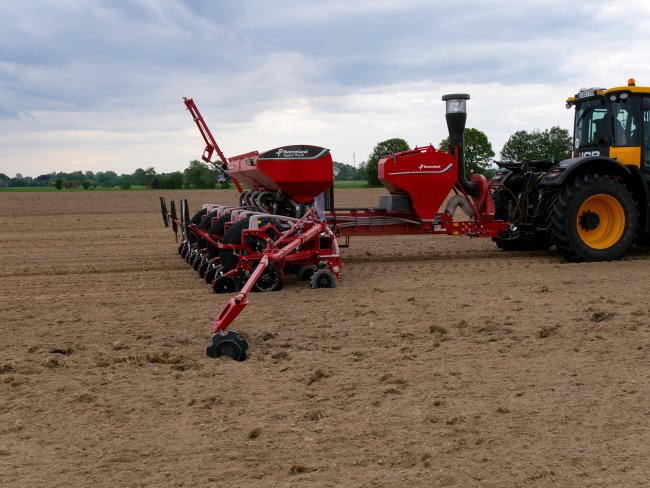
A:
x,y
302,172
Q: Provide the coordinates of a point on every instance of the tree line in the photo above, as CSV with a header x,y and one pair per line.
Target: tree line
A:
x,y
552,144
196,175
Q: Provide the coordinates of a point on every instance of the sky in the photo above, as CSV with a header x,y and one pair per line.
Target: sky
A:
x,y
97,85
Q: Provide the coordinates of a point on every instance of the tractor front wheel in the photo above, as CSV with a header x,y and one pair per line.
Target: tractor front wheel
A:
x,y
594,218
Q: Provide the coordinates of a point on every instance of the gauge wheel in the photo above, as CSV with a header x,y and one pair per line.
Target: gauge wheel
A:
x,y
224,284
323,278
271,279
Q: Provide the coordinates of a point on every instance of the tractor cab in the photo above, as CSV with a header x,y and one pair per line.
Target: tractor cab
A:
x,y
613,123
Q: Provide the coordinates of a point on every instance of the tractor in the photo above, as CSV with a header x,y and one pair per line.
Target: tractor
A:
x,y
594,205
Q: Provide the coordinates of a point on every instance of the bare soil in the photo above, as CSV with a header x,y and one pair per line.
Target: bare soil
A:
x,y
435,362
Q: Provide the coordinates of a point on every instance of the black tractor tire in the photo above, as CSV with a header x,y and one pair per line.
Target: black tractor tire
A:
x,y
593,218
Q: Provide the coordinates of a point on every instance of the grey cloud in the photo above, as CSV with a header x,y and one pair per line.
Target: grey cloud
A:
x,y
133,59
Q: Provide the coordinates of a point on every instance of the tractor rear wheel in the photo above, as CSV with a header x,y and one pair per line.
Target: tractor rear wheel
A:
x,y
594,218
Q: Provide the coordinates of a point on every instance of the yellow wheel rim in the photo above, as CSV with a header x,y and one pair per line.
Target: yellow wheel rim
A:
x,y
601,221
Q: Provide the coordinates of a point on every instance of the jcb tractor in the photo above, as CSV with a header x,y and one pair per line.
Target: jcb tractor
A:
x,y
593,206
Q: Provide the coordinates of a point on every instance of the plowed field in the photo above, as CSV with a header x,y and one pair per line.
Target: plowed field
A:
x,y
435,362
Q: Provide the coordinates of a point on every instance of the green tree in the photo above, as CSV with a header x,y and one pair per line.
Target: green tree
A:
x,y
58,183
138,177
347,172
362,170
107,179
558,143
149,176
171,181
199,175
76,178
477,151
552,144
384,148
41,180
125,184
4,180
17,181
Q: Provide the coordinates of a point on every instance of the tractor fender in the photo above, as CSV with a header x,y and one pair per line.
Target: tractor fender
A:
x,y
568,169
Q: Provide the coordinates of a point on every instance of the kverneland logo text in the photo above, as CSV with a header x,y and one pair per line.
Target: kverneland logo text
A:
x,y
291,153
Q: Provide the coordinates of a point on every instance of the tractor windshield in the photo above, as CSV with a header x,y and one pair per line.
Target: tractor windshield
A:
x,y
592,127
